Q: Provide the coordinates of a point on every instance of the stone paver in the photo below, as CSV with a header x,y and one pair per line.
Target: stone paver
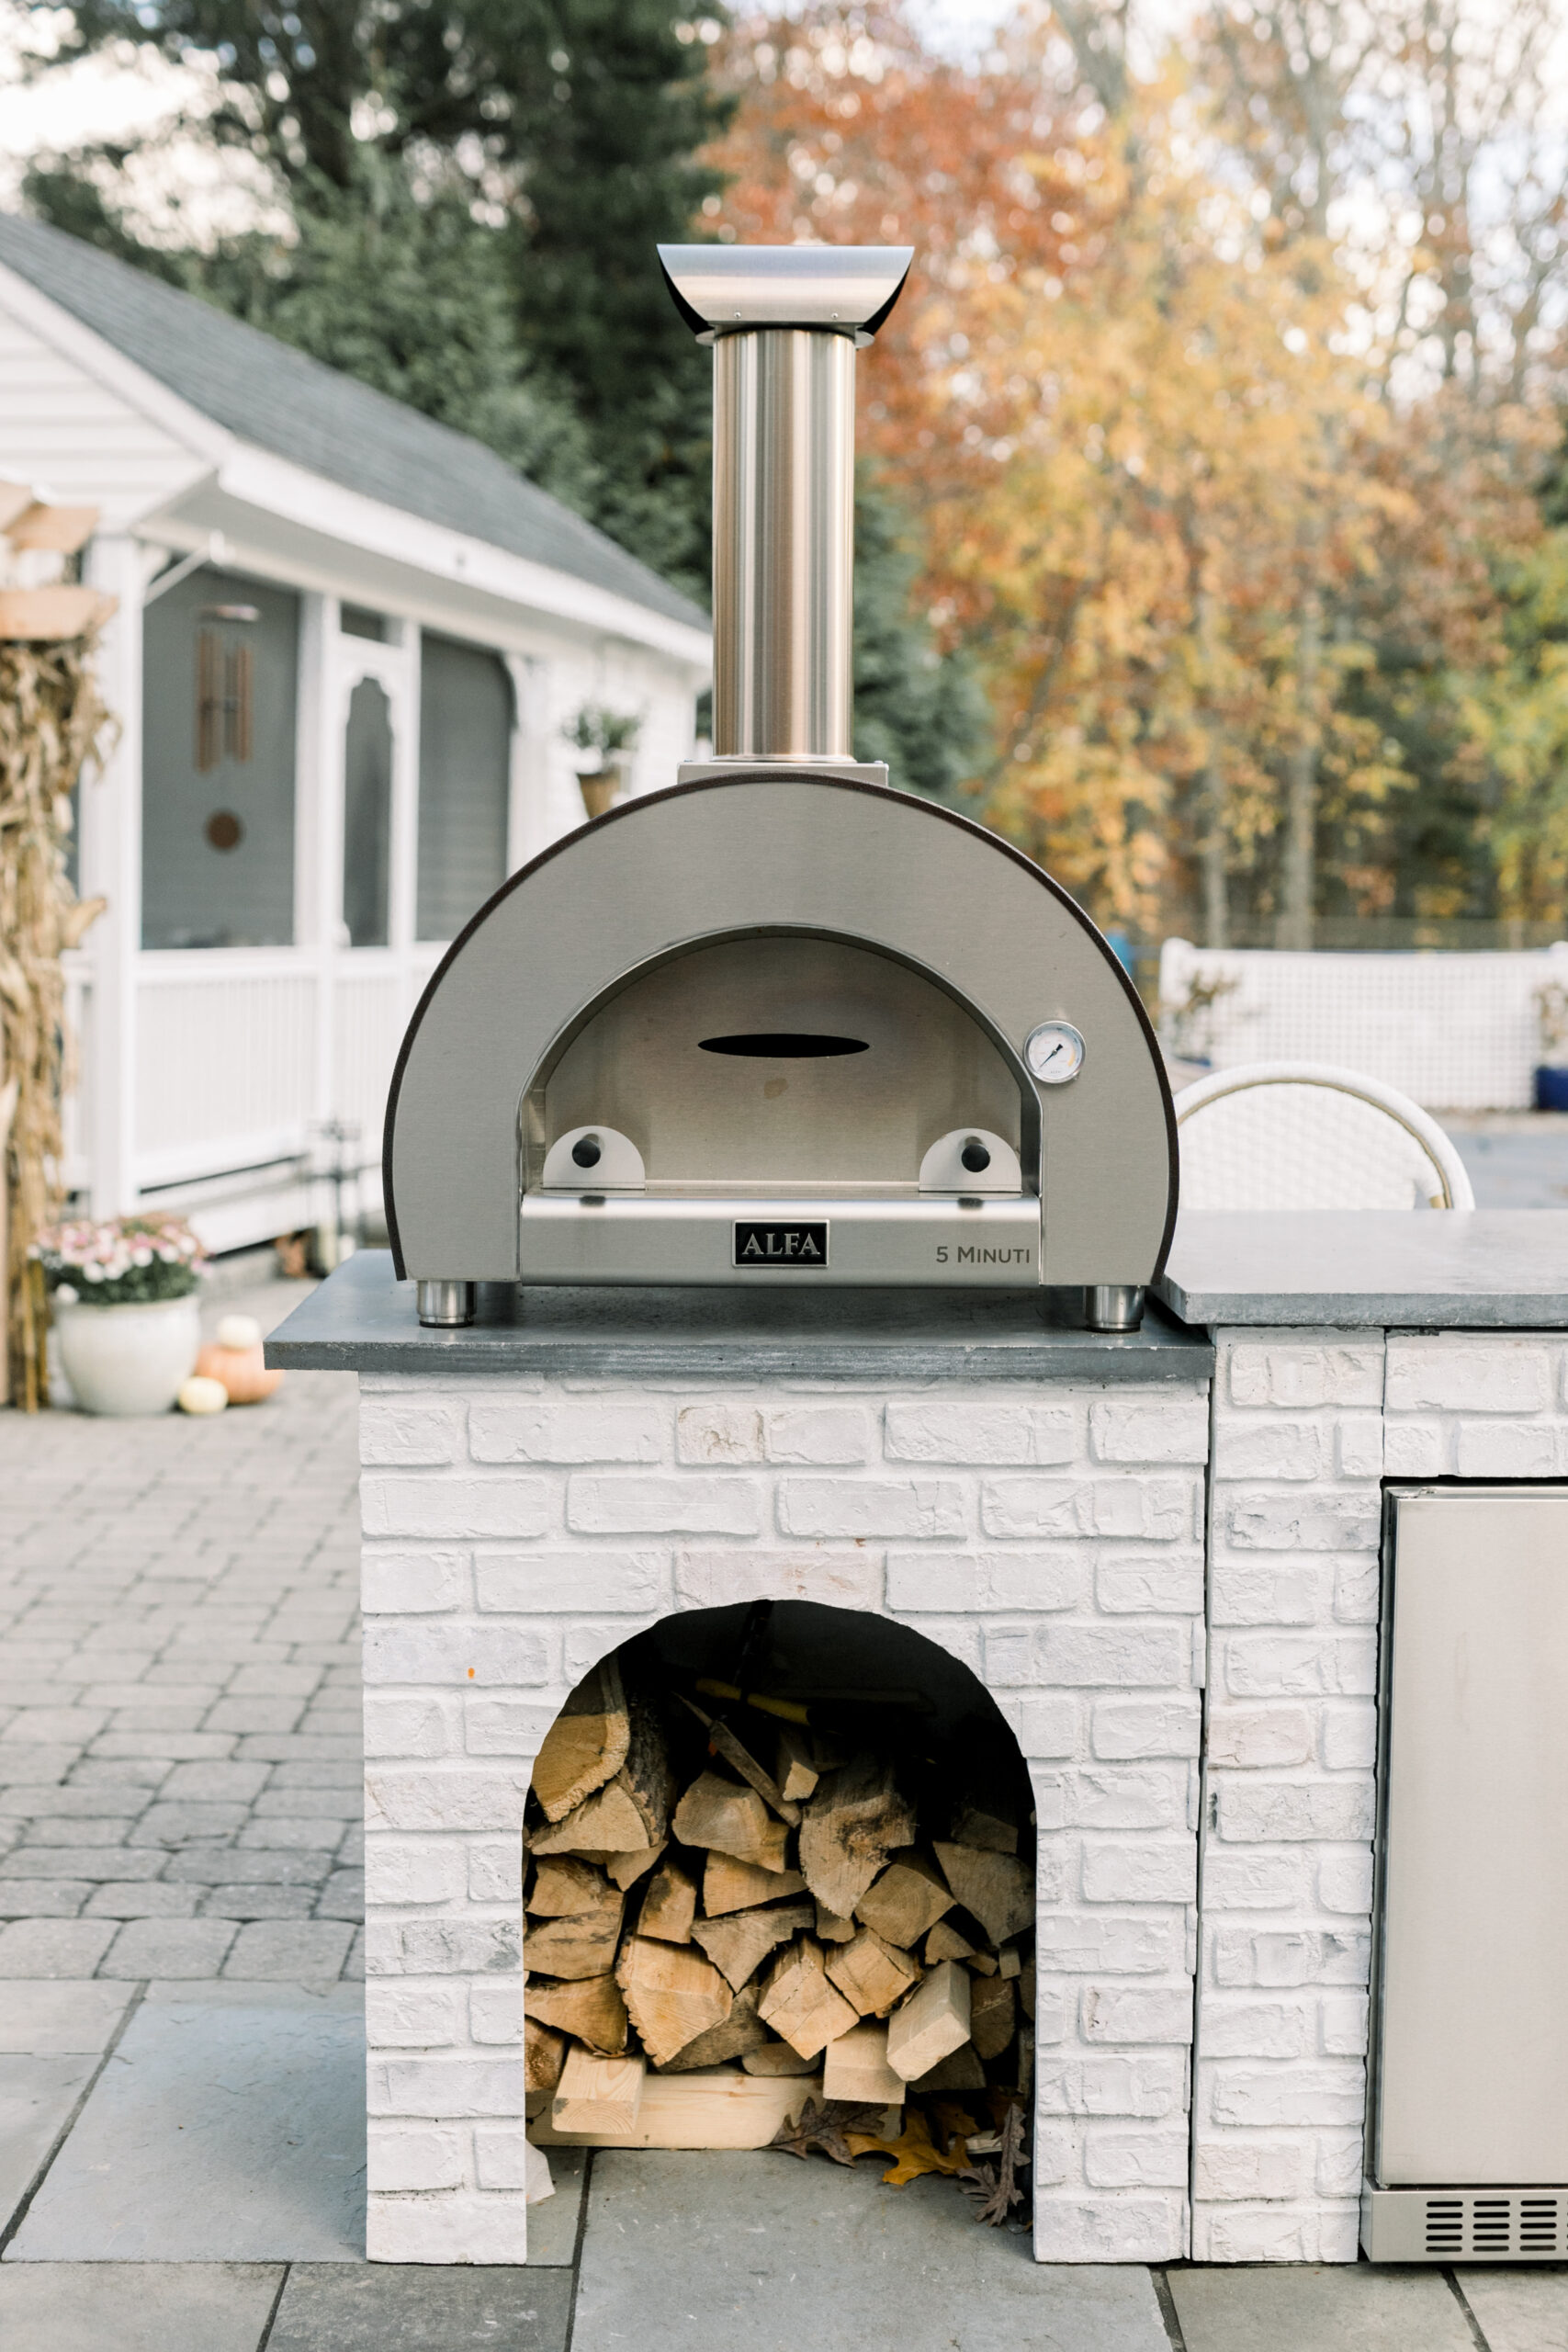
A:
x,y
1518,2310
136,2307
1309,2307
398,2308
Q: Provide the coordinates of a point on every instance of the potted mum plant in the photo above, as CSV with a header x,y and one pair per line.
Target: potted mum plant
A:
x,y
1552,1071
612,734
125,1308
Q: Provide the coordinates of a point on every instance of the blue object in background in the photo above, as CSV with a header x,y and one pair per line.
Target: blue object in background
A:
x,y
1121,946
1550,1087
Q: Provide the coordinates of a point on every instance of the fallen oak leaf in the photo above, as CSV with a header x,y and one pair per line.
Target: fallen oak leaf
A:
x,y
913,2152
995,2187
825,2126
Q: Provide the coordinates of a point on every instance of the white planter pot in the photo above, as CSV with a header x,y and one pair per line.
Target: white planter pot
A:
x,y
124,1360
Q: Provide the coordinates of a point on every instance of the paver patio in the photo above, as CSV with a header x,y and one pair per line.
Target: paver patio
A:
x,y
181,2054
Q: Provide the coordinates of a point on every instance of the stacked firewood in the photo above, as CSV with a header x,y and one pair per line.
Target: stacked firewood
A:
x,y
720,1884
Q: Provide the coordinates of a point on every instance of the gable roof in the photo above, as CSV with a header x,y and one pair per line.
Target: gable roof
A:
x,y
268,393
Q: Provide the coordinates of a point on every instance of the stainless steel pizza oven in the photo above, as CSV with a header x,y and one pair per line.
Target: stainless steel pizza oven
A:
x,y
780,1023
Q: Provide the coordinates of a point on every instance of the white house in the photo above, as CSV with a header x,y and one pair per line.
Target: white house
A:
x,y
346,644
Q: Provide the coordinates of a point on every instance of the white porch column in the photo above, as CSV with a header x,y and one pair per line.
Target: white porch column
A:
x,y
110,865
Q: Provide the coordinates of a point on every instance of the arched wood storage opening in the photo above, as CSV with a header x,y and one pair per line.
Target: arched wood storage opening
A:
x,y
779,1853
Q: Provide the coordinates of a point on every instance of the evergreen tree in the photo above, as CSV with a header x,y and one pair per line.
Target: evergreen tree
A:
x,y
919,708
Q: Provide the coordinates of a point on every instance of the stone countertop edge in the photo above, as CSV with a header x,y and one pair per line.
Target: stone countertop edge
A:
x,y
1482,1270
362,1320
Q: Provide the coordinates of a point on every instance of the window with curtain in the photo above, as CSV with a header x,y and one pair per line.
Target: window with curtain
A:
x,y
219,671
367,816
465,758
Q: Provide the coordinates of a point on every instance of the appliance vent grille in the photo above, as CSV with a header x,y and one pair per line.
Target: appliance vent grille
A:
x,y
1518,2225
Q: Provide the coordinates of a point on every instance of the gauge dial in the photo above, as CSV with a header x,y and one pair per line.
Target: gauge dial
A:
x,y
1054,1052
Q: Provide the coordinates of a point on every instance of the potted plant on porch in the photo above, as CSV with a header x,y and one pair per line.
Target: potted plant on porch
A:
x,y
125,1309
612,734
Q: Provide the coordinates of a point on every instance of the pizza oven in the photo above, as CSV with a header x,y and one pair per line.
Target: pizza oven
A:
x,y
780,1023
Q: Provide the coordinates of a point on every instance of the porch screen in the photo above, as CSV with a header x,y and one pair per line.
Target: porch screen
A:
x,y
465,756
219,661
367,816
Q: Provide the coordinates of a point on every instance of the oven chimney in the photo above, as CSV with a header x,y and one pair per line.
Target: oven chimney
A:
x,y
786,323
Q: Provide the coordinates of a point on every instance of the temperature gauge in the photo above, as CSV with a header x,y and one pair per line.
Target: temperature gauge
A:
x,y
1054,1052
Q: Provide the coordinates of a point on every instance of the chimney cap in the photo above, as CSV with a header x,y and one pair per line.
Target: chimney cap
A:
x,y
843,290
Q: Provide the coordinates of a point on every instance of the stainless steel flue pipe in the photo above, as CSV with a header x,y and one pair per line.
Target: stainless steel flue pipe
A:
x,y
785,322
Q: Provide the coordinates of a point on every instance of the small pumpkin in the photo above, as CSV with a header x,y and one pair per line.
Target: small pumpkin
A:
x,y
202,1395
234,1359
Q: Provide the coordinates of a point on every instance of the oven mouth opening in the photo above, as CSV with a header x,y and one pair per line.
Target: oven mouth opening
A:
x,y
784,1044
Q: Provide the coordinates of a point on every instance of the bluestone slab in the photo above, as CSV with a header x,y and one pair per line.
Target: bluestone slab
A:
x,y
229,2126
552,2223
36,2096
1318,2307
51,2019
686,2250
396,2307
1496,1270
1518,2311
135,2307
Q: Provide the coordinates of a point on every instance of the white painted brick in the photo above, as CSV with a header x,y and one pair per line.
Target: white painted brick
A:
x,y
447,2086
457,2228
1260,2030
1050,1806
1285,2095
1284,1957
1507,1449
1047,1727
1323,1521
1242,1878
1118,1656
842,1576
546,1430
1053,2014
1274,1812
454,1947
495,1869
1051,1858
1269,1593
1250,2167
962,1637
1126,1729
1110,1796
503,1725
1357,1445
718,1430
495,2010
1413,1449
460,1797
524,1582
887,1507
1157,1510
1032,1580
453,1507
1466,1375
817,1433
1267,1449
1292,1666
414,1870
415,1582
401,2015
993,1429
1292,1373
414,2156
1344,1883
1120,2013
501,2155
1256,2234
1136,2159
1056,2156
1343,2019
1152,2083
412,1728
1109,2228
1356,1592
1099,1943
1258,1737
1340,2165
1349,1736
588,1639
407,1429
671,1504
1149,1429
404,1650
1151,1584
1138,1873
1013,1656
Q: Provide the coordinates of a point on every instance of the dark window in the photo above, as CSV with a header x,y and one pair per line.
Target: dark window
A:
x,y
355,620
220,659
465,756
367,815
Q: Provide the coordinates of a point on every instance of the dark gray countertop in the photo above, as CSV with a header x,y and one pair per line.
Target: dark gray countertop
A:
x,y
362,1320
1497,1270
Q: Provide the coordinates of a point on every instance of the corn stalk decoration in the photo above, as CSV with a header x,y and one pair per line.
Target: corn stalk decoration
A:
x,y
54,728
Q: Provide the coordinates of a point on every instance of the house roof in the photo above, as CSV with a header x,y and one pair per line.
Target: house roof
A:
x,y
268,393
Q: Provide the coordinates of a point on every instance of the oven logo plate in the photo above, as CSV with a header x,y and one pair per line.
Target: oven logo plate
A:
x,y
804,1246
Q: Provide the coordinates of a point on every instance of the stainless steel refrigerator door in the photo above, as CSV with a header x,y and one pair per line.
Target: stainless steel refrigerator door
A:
x,y
1473,2075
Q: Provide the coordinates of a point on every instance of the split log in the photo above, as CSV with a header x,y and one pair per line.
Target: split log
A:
x,y
993,2014
907,1900
579,1945
996,1889
987,1820
741,2033
586,1745
739,1759
1026,1987
606,1823
543,2056
851,1825
669,1907
960,2071
739,1945
626,1869
729,1885
778,2058
1008,1960
944,1942
855,2067
871,1975
563,1887
982,1963
591,2010
831,1929
799,2003
730,1820
721,2110
598,2095
934,2022
672,1994
793,1768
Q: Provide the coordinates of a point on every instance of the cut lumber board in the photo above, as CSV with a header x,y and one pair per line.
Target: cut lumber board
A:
x,y
795,1766
995,1888
722,2110
592,2011
740,1944
856,2067
944,1942
871,1975
49,615
993,2014
730,1820
598,2095
564,1887
777,2058
586,1745
672,1994
736,2036
578,1946
729,1885
906,1901
800,2004
933,2021
851,1825
669,1907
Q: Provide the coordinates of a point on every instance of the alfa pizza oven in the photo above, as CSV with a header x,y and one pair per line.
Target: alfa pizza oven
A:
x,y
780,1023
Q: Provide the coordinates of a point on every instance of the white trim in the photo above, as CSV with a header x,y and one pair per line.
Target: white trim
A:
x,y
108,366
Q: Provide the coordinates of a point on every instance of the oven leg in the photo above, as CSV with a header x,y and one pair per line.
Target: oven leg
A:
x,y
1114,1306
445,1303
